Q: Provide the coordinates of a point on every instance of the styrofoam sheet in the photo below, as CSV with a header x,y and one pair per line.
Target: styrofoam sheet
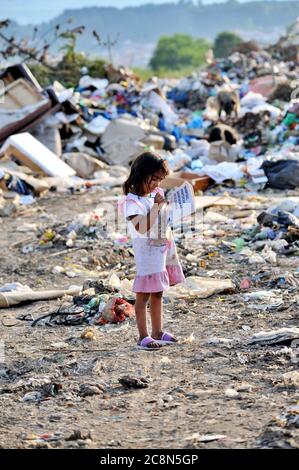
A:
x,y
35,155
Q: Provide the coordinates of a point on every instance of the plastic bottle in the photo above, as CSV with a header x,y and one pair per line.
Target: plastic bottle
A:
x,y
239,243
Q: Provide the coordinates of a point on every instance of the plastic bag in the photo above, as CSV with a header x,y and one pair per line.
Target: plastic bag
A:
x,y
223,171
116,310
283,174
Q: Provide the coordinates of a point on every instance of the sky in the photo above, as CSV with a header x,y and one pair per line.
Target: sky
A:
x,y
36,11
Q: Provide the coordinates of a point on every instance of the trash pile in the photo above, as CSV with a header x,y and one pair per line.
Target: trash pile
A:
x,y
277,229
82,229
234,124
282,432
237,121
232,131
98,304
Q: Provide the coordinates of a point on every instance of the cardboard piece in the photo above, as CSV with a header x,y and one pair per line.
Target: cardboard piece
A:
x,y
30,152
199,183
201,202
171,182
20,94
181,203
12,73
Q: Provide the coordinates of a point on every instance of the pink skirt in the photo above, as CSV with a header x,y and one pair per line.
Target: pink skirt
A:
x,y
159,282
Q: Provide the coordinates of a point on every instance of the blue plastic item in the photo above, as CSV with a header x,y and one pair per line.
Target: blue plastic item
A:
x,y
271,234
177,134
107,115
121,110
178,96
196,123
196,165
161,124
244,90
212,92
187,138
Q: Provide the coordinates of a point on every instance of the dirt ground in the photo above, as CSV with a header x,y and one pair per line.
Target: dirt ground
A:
x,y
186,398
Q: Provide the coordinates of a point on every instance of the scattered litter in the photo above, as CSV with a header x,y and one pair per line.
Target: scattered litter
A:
x,y
291,378
88,390
196,437
8,299
231,393
231,131
201,287
281,336
131,382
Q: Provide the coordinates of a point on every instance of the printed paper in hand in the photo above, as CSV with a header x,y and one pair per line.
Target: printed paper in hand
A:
x,y
181,203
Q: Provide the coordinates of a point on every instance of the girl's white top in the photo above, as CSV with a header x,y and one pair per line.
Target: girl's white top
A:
x,y
149,248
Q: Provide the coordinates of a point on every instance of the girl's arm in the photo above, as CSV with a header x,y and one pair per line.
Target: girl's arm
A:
x,y
143,223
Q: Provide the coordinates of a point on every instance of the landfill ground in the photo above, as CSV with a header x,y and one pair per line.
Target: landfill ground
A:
x,y
186,403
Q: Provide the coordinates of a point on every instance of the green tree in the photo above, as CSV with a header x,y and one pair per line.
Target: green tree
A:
x,y
68,72
225,43
69,47
179,51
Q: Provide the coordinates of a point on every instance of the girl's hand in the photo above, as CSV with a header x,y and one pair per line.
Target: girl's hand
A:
x,y
160,200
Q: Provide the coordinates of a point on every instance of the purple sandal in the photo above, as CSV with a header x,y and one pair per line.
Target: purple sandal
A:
x,y
145,344
166,338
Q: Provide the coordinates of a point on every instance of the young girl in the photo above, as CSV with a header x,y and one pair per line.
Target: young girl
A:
x,y
155,253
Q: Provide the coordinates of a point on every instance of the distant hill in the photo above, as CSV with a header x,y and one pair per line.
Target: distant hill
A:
x,y
143,25
37,11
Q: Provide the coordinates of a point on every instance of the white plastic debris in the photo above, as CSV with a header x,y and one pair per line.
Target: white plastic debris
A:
x,y
205,437
99,83
223,171
178,159
98,125
269,255
231,393
281,335
57,270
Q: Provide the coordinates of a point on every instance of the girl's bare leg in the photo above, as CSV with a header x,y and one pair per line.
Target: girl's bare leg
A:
x,y
156,314
156,307
140,310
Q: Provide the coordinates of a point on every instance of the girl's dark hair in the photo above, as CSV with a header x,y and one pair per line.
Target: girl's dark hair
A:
x,y
142,169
